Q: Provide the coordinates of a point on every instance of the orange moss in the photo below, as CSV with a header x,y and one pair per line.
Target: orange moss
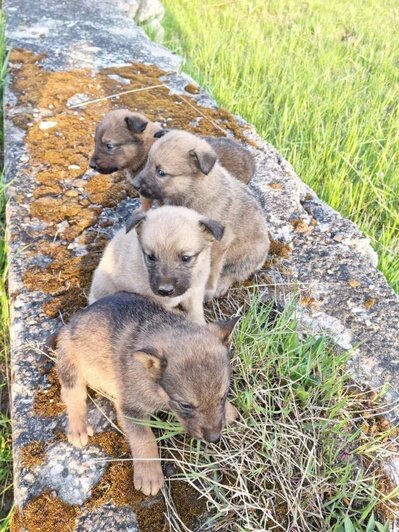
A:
x,y
276,185
370,302
45,514
33,454
48,399
279,249
300,226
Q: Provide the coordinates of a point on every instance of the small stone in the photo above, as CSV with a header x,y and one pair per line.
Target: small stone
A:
x,y
24,159
47,125
73,167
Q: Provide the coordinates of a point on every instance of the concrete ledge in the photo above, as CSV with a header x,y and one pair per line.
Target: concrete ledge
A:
x,y
60,215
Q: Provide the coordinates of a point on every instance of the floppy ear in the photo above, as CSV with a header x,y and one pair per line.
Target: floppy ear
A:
x,y
213,228
151,360
134,220
136,124
161,133
204,159
224,329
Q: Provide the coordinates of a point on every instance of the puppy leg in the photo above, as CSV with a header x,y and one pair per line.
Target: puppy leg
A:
x,y
147,471
193,305
75,400
231,413
73,393
217,258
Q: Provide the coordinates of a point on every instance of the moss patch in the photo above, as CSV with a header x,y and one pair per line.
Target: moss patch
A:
x,y
48,398
33,454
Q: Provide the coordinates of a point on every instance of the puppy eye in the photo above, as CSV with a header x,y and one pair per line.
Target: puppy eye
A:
x,y
161,173
186,406
151,257
186,258
109,146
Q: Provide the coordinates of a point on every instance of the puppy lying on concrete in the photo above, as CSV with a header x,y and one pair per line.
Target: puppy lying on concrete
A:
x,y
165,254
146,359
183,169
123,140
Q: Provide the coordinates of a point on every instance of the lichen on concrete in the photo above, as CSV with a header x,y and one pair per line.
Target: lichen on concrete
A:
x,y
67,59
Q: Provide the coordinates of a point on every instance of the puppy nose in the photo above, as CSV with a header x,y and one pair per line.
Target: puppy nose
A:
x,y
92,164
136,183
165,290
211,436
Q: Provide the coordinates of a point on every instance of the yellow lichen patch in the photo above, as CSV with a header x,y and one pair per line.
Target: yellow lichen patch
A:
x,y
33,454
353,283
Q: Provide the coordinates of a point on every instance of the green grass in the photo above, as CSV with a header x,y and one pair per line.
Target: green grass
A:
x,y
320,81
5,426
297,459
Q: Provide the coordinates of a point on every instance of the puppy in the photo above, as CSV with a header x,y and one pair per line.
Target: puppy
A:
x,y
123,140
146,359
183,169
167,256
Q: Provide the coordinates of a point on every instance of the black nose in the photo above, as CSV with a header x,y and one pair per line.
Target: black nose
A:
x,y
136,184
93,165
165,290
211,436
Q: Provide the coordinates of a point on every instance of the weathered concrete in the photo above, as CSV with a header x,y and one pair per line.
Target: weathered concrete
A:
x,y
60,214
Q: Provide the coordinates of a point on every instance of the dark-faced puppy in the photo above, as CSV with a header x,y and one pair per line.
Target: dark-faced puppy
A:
x,y
165,254
122,141
183,169
146,359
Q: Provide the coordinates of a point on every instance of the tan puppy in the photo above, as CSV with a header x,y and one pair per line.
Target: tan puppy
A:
x,y
146,359
183,169
122,142
167,256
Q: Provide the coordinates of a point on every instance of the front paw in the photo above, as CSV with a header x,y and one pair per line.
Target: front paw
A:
x,y
209,294
78,434
148,477
231,413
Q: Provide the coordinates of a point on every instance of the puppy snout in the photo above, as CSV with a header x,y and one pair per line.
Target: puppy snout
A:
x,y
211,435
165,290
93,164
136,183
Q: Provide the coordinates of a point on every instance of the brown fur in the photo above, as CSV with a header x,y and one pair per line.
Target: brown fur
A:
x,y
183,169
132,136
150,258
146,359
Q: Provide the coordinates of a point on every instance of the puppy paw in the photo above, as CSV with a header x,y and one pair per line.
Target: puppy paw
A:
x,y
209,294
148,477
78,434
231,413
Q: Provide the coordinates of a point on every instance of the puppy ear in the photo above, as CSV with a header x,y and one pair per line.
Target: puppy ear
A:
x,y
136,124
134,220
214,229
204,159
224,329
151,360
161,133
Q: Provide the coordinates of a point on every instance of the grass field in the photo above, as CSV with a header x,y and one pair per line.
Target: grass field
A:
x,y
320,81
